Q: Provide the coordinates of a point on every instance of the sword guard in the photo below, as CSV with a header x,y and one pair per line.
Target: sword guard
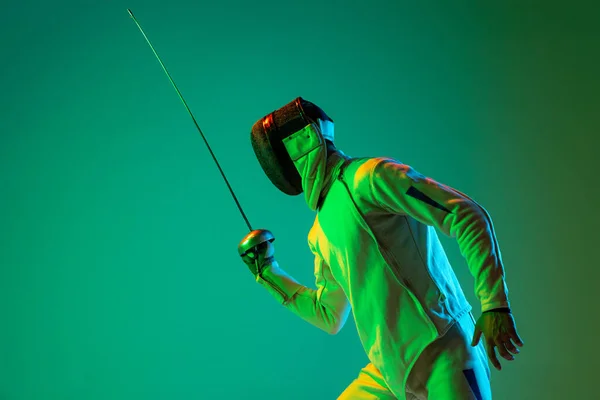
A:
x,y
253,240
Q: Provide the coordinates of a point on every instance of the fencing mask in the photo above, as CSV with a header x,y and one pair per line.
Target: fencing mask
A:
x,y
290,146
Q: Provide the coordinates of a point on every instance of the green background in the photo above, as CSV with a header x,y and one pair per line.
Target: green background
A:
x,y
119,277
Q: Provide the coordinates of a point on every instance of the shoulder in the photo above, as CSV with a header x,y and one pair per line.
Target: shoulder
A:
x,y
365,170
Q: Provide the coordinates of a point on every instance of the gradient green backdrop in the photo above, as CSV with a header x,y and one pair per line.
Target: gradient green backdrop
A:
x,y
119,277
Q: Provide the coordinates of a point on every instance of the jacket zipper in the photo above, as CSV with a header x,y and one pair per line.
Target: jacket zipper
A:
x,y
388,257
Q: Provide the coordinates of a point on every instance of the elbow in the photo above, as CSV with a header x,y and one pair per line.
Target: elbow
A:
x,y
335,324
334,329
333,318
330,326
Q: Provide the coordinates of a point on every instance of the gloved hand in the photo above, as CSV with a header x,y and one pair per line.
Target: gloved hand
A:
x,y
256,249
499,331
256,258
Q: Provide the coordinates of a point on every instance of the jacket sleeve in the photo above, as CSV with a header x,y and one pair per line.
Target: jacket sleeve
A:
x,y
400,189
327,307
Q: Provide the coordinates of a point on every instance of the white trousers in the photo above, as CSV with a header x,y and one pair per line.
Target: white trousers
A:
x,y
449,369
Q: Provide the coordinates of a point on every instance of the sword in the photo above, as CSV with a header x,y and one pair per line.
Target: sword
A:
x,y
256,237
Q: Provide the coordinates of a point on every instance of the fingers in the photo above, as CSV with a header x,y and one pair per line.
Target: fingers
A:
x,y
511,347
263,251
476,337
499,333
489,346
250,259
515,336
501,345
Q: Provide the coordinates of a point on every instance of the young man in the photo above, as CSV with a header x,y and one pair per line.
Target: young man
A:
x,y
378,255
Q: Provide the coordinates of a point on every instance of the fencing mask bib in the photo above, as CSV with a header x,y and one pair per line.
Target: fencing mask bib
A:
x,y
290,147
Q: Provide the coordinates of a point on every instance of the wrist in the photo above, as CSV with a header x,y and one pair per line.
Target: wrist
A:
x,y
266,263
500,309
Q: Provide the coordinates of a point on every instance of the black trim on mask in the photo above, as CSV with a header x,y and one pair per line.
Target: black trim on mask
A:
x,y
267,141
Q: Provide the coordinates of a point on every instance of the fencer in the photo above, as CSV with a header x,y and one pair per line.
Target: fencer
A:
x,y
378,257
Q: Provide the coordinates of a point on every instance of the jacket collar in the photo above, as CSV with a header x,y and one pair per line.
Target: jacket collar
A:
x,y
335,161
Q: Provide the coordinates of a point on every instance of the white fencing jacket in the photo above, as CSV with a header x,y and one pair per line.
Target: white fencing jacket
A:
x,y
377,255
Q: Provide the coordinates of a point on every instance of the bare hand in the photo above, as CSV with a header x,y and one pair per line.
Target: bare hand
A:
x,y
499,331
